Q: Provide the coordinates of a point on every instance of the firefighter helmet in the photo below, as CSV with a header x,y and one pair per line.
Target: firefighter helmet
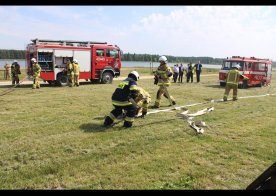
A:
x,y
134,75
163,58
237,66
75,61
33,60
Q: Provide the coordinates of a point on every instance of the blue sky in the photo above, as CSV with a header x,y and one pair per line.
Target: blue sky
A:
x,y
215,31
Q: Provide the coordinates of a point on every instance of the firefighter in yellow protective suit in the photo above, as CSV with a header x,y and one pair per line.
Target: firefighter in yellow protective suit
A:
x,y
36,73
7,71
76,70
70,72
232,79
142,99
162,79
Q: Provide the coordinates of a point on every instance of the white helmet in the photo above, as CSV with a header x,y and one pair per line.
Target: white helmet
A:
x,y
237,66
75,61
134,73
163,58
33,60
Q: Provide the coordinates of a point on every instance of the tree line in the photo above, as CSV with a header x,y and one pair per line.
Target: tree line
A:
x,y
21,54
12,54
175,59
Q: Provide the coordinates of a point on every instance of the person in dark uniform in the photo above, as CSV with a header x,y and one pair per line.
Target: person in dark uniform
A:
x,y
123,99
190,72
181,71
198,68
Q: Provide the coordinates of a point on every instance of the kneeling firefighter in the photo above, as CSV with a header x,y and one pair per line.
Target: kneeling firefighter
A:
x,y
142,99
123,99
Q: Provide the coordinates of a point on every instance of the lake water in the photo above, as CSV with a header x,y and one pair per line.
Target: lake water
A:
x,y
22,63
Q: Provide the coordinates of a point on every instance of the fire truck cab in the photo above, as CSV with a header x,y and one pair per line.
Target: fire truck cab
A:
x,y
259,71
97,60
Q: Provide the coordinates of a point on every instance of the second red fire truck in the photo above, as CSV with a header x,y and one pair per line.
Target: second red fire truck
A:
x,y
98,60
259,71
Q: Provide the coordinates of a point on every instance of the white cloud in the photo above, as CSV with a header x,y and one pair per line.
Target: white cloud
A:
x,y
216,31
210,31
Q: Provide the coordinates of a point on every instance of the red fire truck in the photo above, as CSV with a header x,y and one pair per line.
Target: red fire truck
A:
x,y
98,60
259,71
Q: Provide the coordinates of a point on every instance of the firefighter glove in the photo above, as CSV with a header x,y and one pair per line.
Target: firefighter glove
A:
x,y
143,114
155,80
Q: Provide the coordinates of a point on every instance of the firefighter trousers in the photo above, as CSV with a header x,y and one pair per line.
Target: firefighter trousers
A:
x,y
15,79
36,83
76,79
228,87
162,91
117,111
70,79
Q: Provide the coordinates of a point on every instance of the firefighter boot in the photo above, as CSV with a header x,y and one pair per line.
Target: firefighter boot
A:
x,y
108,121
127,124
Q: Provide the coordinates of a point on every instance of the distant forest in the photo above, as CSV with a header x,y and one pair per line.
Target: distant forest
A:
x,y
175,59
21,54
12,54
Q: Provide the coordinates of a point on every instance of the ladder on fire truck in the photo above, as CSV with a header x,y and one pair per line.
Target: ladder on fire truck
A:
x,y
65,42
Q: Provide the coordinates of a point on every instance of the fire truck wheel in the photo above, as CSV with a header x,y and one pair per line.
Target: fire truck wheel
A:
x,y
107,78
62,80
243,85
50,82
222,84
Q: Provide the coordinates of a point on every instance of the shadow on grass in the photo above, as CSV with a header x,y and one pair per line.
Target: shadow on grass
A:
x,y
26,86
91,127
215,86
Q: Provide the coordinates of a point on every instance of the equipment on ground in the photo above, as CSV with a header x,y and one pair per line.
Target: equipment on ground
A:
x,y
98,61
197,125
13,87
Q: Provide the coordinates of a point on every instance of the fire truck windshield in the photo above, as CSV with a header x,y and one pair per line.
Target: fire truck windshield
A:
x,y
229,64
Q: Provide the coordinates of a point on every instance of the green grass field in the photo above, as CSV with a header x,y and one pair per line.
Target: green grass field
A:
x,y
52,138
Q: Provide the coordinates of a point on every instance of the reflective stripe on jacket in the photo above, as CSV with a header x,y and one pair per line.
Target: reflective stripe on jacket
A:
x,y
76,68
233,77
162,73
36,70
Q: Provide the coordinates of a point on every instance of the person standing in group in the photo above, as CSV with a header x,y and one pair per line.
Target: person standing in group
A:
x,y
198,68
15,71
70,72
232,79
162,79
190,72
175,72
123,99
181,71
36,73
7,71
76,70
